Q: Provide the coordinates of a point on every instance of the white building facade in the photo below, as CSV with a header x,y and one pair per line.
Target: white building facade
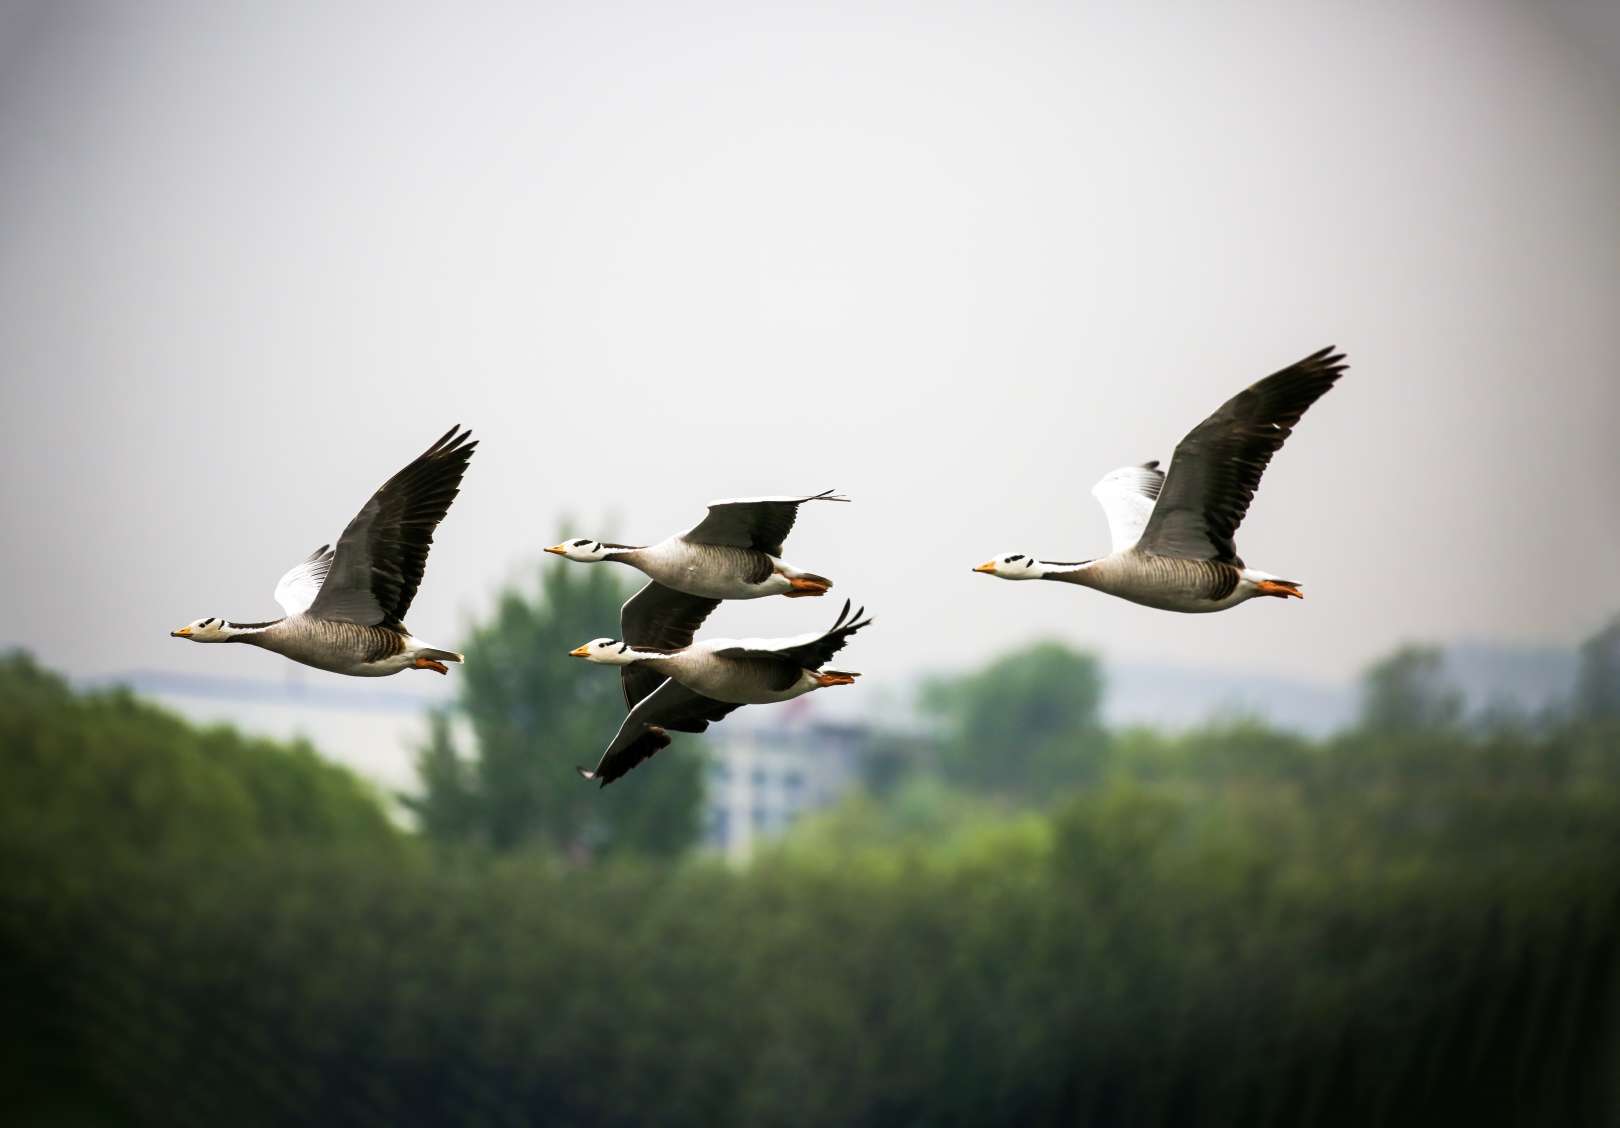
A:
x,y
763,776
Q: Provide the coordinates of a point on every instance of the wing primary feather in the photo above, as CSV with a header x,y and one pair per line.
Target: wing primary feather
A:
x,y
1217,467
382,554
759,523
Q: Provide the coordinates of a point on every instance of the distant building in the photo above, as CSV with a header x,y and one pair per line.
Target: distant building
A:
x,y
762,776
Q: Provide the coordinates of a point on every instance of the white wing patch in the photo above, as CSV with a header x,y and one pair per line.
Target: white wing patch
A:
x,y
1127,496
775,645
298,588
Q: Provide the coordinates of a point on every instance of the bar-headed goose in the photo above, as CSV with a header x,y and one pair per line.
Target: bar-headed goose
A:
x,y
733,553
703,682
1172,533
346,606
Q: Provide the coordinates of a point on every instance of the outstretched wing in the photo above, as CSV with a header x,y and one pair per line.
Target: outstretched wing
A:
x,y
1127,496
1217,467
296,590
646,730
657,618
806,652
761,523
381,555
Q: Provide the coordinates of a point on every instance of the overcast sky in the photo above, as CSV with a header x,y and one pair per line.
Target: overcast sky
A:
x,y
956,260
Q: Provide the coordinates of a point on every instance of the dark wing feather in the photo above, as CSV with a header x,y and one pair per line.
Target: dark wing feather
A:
x,y
1217,467
763,668
626,752
637,682
657,618
646,730
381,555
758,523
816,654
811,654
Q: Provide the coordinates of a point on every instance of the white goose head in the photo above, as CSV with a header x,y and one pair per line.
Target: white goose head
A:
x,y
1013,566
607,652
585,550
203,630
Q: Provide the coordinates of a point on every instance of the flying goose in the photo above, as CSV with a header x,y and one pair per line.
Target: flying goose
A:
x,y
733,553
1172,533
345,607
703,682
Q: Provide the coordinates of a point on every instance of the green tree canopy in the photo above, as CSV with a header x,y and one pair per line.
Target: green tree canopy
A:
x,y
535,713
1236,927
1025,724
1597,688
98,770
1408,692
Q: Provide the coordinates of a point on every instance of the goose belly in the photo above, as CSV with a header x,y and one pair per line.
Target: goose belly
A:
x,y
342,648
713,571
1168,583
736,683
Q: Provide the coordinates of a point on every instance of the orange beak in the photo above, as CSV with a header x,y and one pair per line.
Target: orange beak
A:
x,y
558,549
987,566
578,651
183,632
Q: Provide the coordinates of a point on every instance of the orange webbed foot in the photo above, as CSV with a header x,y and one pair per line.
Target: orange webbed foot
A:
x,y
1282,589
807,585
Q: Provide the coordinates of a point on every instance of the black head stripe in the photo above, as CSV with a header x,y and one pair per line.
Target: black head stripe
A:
x,y
623,646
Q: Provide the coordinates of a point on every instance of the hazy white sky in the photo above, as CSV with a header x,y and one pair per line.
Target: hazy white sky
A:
x,y
958,260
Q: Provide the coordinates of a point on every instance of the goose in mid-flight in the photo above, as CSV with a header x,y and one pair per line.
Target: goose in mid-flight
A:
x,y
733,553
346,606
703,682
1172,533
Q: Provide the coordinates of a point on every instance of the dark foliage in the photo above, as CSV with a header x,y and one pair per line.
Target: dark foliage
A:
x,y
1230,927
534,713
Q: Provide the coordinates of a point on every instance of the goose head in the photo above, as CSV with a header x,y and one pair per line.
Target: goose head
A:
x,y
606,651
210,629
584,550
1012,566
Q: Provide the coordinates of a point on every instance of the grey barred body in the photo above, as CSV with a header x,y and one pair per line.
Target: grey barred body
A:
x,y
742,680
341,647
713,571
1169,583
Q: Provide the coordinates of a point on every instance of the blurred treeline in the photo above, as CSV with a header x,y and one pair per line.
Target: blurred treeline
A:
x,y
1022,917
